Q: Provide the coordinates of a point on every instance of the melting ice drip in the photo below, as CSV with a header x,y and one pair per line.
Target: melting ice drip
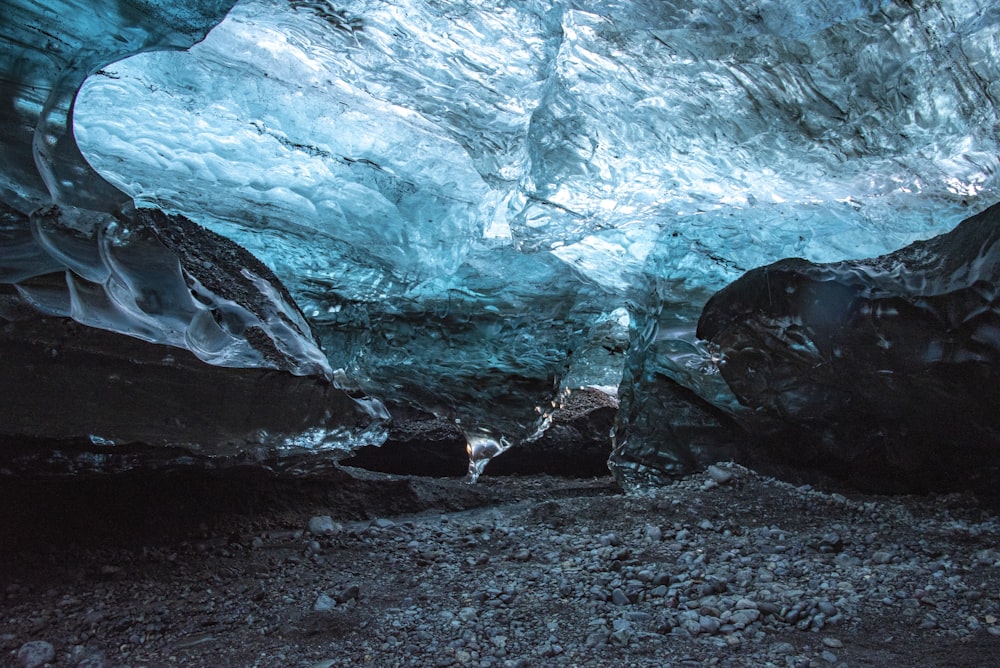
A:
x,y
482,446
708,358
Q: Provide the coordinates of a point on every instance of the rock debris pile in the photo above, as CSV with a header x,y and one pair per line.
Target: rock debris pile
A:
x,y
723,568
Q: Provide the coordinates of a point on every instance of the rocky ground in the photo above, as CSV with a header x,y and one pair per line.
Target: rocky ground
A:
x,y
724,568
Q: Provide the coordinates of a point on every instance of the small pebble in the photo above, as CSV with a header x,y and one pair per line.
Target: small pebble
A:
x,y
709,625
882,557
97,660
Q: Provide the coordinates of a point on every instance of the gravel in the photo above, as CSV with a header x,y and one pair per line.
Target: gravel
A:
x,y
744,571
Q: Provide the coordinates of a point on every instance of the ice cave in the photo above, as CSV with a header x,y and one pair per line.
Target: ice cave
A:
x,y
257,231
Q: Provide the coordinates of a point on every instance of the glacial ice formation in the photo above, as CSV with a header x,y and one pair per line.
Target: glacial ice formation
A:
x,y
885,369
475,206
72,247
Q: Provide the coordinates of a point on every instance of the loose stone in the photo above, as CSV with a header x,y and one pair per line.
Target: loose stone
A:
x,y
36,653
618,597
719,476
324,603
709,625
323,525
348,593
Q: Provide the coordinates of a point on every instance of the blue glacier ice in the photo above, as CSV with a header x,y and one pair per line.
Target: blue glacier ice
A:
x,y
476,206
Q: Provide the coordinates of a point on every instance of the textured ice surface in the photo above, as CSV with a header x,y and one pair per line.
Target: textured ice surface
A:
x,y
465,198
73,248
49,49
157,278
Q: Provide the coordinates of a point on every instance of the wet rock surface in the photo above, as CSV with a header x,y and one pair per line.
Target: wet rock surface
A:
x,y
884,372
722,568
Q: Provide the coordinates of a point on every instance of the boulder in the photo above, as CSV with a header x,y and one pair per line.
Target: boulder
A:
x,y
882,372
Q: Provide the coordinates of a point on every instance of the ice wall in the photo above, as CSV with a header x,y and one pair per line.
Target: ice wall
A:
x,y
49,50
462,197
72,246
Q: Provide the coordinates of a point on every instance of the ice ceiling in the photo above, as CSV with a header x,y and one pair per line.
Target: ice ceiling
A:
x,y
473,202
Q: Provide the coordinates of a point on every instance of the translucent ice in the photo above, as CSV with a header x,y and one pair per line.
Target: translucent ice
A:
x,y
470,202
73,247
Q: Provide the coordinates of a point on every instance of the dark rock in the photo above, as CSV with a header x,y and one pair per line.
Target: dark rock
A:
x,y
348,593
88,398
666,430
419,443
576,444
882,372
